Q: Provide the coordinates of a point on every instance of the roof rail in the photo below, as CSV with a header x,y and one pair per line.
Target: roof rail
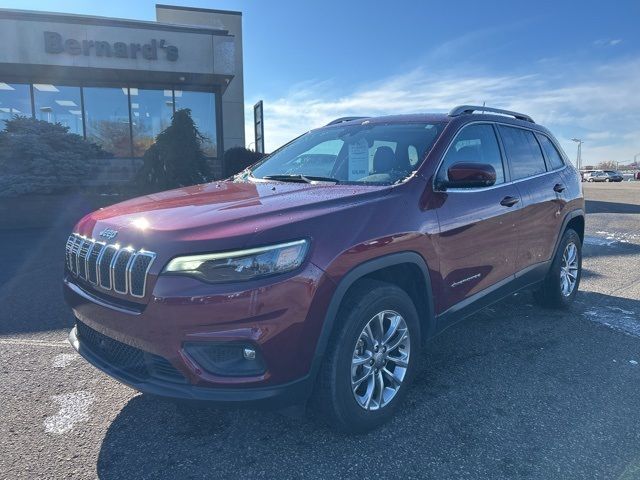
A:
x,y
344,119
462,109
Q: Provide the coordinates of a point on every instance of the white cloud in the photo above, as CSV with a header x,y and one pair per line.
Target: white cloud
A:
x,y
599,104
607,42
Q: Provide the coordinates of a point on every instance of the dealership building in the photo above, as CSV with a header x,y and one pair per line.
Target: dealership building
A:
x,y
118,82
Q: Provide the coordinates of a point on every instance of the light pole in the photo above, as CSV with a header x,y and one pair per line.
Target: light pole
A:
x,y
579,156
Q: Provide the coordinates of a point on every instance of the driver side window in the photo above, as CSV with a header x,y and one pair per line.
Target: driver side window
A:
x,y
474,144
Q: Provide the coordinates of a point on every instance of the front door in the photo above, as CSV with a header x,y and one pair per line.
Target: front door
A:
x,y
476,243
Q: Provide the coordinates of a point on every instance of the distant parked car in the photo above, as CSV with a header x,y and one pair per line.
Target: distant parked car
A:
x,y
602,176
613,176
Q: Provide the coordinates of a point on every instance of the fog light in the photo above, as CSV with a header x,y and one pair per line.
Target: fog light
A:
x,y
226,359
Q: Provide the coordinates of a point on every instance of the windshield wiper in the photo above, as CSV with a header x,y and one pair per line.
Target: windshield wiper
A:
x,y
300,178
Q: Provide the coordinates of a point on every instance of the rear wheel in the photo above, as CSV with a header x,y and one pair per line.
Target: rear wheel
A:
x,y
560,286
371,358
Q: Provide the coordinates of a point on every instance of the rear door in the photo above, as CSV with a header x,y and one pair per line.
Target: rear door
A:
x,y
542,189
476,244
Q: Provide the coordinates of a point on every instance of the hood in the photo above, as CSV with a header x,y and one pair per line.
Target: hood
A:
x,y
219,211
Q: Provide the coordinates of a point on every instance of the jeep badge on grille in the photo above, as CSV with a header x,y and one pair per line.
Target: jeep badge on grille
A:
x,y
108,233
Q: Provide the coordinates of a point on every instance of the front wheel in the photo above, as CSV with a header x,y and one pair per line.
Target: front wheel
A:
x,y
371,358
560,286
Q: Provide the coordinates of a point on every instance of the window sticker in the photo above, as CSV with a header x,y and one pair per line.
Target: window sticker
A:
x,y
358,159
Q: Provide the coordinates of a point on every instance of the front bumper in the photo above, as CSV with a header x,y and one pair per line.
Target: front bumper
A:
x,y
281,319
158,384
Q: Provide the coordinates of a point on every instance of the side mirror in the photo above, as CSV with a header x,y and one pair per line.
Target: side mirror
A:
x,y
469,175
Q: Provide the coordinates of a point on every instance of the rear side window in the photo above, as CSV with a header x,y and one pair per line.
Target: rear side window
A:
x,y
551,152
474,144
523,151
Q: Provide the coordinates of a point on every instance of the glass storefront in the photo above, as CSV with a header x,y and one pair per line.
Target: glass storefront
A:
x,y
107,119
151,112
124,121
56,104
203,112
15,99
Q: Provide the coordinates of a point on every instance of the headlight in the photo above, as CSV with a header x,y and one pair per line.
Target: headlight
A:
x,y
241,265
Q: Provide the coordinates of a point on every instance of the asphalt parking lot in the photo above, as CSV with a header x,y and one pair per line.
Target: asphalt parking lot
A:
x,y
514,391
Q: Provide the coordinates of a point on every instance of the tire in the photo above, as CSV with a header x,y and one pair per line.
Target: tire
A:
x,y
552,292
339,404
590,180
607,180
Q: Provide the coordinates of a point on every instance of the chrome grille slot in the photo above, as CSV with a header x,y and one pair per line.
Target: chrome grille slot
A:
x,y
104,268
138,270
73,255
83,251
67,251
123,270
92,262
119,269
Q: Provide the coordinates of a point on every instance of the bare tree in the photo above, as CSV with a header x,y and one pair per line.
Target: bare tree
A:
x,y
607,165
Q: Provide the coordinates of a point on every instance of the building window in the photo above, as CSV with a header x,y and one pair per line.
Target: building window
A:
x,y
151,112
15,99
107,119
57,104
203,112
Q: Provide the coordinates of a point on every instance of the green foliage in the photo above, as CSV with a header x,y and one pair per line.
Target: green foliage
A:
x,y
237,159
177,158
42,157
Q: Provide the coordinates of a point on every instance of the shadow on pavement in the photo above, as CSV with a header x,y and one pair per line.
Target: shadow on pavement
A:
x,y
512,392
597,206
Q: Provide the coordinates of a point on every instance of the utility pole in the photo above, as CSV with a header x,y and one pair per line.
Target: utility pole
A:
x,y
579,155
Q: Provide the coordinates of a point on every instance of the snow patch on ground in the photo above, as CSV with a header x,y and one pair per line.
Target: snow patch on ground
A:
x,y
623,237
601,242
74,408
64,359
625,321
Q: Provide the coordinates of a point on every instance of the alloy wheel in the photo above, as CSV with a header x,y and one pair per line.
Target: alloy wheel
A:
x,y
380,360
569,269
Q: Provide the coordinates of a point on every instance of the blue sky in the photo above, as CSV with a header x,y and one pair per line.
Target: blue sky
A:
x,y
573,65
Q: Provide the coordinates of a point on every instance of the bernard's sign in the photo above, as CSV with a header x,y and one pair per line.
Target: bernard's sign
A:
x,y
54,43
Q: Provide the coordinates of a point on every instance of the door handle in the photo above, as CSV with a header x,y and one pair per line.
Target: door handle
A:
x,y
509,201
559,188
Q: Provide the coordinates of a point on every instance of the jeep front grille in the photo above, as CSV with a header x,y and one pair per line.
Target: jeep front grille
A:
x,y
123,270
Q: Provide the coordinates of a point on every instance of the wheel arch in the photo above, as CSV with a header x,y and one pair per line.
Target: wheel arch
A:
x,y
575,220
408,270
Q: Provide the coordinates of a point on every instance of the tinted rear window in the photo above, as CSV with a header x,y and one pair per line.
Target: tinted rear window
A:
x,y
523,152
550,150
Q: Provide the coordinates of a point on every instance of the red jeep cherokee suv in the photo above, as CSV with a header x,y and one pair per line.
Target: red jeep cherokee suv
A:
x,y
318,273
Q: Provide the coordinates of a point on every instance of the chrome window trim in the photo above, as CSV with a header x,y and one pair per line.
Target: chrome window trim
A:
x,y
482,189
141,253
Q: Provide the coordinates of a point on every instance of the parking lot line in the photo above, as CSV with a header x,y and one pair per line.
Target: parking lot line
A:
x,y
32,343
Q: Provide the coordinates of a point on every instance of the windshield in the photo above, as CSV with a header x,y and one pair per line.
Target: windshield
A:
x,y
364,153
